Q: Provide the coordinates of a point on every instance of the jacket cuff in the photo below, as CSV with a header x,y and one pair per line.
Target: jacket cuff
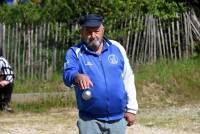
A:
x,y
133,111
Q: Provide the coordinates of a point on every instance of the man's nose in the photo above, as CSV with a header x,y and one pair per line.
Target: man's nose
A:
x,y
92,34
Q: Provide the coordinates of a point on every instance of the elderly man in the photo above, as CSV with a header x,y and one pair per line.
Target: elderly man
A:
x,y
100,66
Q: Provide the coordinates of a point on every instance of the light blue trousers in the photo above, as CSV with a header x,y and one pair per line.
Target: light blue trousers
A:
x,y
92,126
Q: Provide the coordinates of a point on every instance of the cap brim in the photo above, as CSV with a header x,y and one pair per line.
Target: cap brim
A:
x,y
93,23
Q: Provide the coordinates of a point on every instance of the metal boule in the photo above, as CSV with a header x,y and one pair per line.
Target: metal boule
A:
x,y
87,94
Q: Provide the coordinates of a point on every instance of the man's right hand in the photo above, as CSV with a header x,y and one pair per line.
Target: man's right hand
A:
x,y
83,81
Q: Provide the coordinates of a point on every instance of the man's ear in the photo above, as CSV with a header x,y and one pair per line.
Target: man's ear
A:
x,y
103,28
81,30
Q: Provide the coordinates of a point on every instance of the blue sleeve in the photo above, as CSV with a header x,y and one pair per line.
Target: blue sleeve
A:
x,y
71,67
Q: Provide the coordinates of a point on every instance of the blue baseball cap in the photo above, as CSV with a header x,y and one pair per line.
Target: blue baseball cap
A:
x,y
91,20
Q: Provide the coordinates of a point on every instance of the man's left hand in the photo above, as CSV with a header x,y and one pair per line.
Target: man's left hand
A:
x,y
130,118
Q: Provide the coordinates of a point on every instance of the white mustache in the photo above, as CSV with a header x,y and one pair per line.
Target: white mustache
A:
x,y
94,43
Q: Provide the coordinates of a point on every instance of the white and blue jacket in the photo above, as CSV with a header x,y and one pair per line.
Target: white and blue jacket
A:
x,y
113,91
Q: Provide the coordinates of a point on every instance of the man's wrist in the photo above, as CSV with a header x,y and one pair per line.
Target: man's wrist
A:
x,y
74,77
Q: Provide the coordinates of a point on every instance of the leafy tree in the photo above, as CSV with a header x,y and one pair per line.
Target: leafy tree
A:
x,y
37,11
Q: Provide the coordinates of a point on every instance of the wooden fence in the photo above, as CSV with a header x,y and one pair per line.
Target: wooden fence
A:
x,y
38,51
163,39
34,51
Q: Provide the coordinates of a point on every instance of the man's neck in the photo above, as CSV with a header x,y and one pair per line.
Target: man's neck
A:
x,y
99,49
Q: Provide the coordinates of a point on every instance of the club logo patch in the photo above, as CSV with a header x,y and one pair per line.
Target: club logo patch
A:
x,y
113,59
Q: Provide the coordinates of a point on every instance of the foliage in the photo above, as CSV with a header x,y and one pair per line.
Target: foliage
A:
x,y
26,14
117,13
68,11
171,82
165,9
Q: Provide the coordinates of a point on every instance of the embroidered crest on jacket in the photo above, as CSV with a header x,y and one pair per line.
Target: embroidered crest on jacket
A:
x,y
112,59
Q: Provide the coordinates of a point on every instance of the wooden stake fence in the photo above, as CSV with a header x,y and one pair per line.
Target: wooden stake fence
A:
x,y
39,51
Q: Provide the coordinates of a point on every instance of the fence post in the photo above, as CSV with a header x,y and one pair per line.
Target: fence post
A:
x,y
1,39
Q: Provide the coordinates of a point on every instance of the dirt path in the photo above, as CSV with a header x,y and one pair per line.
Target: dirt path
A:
x,y
30,97
63,121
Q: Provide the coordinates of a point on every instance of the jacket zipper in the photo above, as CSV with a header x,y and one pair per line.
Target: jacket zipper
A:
x,y
107,98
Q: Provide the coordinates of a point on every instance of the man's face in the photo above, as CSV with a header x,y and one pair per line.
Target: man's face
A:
x,y
93,36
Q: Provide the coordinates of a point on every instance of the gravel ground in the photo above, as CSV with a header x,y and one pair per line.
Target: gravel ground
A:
x,y
63,121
